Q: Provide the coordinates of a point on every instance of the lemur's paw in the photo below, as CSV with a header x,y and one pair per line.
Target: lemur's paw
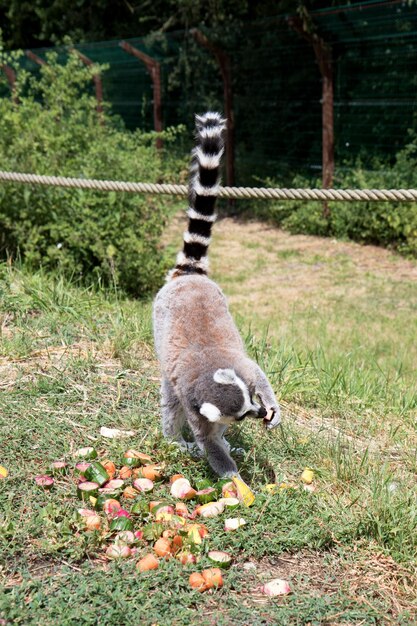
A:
x,y
230,475
188,446
193,449
238,451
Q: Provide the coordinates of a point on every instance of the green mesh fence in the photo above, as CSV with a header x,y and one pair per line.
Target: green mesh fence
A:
x,y
277,86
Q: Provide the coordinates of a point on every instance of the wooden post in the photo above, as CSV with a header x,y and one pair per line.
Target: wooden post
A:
x,y
324,58
98,85
154,69
223,61
34,57
11,79
323,54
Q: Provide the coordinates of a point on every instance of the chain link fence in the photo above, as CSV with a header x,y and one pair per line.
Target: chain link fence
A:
x,y
270,75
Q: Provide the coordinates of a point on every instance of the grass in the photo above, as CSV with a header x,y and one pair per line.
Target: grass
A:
x,y
341,358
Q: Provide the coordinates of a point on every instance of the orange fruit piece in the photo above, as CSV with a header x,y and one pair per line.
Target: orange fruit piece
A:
x,y
125,472
110,468
177,542
93,522
212,577
163,548
129,493
148,562
175,477
153,472
197,582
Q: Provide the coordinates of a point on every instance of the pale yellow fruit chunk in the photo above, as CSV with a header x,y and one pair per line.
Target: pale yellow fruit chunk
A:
x,y
307,476
244,494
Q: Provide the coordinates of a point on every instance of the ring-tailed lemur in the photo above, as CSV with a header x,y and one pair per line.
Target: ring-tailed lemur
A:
x,y
207,378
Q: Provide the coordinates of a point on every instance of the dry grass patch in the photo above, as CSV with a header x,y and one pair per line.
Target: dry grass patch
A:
x,y
363,577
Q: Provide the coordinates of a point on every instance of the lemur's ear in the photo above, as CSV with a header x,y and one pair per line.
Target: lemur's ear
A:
x,y
210,411
225,377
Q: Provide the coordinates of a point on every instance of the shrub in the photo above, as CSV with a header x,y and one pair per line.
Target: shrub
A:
x,y
54,129
391,224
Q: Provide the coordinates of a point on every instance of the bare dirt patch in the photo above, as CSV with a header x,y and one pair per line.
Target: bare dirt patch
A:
x,y
277,266
268,240
267,271
256,238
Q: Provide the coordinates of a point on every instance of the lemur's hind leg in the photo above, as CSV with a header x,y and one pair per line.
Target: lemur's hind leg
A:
x,y
173,418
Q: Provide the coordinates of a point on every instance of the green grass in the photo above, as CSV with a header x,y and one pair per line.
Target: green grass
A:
x,y
73,360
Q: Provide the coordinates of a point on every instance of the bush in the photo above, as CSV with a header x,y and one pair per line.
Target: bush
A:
x,y
54,129
390,224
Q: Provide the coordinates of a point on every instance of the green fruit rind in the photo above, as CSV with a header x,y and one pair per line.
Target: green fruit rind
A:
x,y
131,462
96,473
230,503
86,490
86,454
140,508
203,483
221,559
121,523
206,495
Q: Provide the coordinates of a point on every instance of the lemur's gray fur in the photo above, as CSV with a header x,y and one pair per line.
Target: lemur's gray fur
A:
x,y
207,378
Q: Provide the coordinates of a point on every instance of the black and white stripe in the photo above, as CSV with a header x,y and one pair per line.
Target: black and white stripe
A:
x,y
203,191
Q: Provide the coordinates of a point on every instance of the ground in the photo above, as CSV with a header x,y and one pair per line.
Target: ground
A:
x,y
334,325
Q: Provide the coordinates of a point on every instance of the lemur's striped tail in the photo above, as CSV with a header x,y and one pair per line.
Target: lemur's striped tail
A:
x,y
203,190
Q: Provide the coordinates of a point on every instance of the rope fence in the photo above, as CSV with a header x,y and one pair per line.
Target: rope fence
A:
x,y
237,193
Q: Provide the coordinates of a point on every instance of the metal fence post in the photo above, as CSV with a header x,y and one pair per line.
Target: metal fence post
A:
x,y
11,79
154,69
323,54
98,85
34,57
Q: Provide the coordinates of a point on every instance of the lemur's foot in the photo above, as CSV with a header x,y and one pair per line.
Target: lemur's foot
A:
x,y
190,447
237,451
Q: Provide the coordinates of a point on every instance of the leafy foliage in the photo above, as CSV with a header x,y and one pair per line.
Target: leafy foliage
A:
x,y
391,224
40,22
55,129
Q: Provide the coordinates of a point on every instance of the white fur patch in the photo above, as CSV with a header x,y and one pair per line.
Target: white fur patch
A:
x,y
205,191
210,133
194,238
225,377
195,215
247,404
210,411
208,161
210,115
185,260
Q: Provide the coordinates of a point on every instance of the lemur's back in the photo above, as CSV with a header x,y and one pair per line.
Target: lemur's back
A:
x,y
191,318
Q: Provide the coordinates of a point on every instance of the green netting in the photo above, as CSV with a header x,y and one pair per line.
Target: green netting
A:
x,y
277,86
